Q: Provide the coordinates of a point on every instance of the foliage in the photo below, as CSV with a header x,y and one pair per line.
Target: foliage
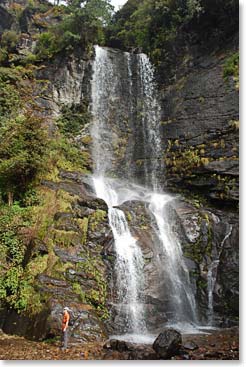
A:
x,y
21,152
15,287
231,67
65,154
9,98
80,26
23,139
73,118
149,24
9,40
8,43
97,295
183,161
161,27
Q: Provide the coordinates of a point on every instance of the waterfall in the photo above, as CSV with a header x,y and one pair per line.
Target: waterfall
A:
x,y
129,261
150,121
182,300
176,272
211,279
123,93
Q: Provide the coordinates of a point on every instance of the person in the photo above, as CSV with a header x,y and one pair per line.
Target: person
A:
x,y
65,322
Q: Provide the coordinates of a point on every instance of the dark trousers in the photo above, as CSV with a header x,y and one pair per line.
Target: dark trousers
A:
x,y
64,339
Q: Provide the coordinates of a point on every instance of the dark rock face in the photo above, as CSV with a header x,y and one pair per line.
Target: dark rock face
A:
x,y
6,19
226,288
168,343
206,236
200,124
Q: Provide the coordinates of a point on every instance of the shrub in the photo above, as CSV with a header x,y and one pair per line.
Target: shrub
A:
x,y
231,66
73,118
9,40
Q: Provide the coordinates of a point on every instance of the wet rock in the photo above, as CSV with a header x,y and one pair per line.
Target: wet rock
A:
x,y
79,178
70,187
190,345
68,256
93,203
229,167
168,343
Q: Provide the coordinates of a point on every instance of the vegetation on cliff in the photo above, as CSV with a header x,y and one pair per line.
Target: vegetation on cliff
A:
x,y
163,28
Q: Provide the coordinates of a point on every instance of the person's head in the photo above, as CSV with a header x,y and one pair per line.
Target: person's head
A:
x,y
65,309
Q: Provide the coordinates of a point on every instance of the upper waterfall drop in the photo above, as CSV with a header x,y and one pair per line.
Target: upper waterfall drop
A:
x,y
150,122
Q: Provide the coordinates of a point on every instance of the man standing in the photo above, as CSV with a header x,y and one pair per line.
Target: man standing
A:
x,y
65,322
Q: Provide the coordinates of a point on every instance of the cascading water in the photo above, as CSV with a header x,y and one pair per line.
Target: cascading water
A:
x,y
150,121
132,77
129,262
182,300
211,279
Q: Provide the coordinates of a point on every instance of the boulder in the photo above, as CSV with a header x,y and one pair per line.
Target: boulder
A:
x,y
129,350
168,343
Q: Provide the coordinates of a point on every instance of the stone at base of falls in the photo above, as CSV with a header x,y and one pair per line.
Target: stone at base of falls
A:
x,y
128,350
190,345
168,343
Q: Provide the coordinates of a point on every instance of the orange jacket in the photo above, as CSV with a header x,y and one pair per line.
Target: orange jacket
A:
x,y
65,320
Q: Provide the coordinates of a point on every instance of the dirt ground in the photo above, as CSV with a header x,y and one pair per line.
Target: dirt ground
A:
x,y
221,345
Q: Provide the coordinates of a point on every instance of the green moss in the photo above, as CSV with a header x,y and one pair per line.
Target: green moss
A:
x,y
225,184
96,218
37,265
179,85
59,268
64,238
94,268
83,225
140,162
128,216
78,290
202,284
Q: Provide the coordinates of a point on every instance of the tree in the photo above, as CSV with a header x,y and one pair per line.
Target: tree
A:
x,y
23,145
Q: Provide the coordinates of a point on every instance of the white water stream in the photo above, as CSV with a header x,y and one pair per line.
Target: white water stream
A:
x,y
211,279
129,263
106,99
